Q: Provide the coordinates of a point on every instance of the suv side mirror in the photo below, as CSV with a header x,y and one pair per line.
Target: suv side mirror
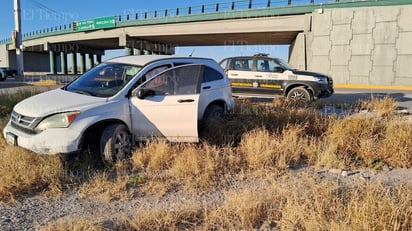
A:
x,y
142,93
279,69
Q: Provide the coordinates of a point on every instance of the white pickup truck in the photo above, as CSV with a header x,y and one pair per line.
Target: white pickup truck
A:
x,y
120,102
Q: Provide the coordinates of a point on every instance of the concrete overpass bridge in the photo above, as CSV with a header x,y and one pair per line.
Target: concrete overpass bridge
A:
x,y
356,42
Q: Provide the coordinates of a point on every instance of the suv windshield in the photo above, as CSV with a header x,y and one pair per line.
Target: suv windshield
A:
x,y
285,65
104,80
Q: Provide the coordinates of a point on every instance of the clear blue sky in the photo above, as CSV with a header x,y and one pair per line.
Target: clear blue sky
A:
x,y
39,14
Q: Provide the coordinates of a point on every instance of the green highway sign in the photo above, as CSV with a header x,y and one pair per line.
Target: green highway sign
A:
x,y
95,24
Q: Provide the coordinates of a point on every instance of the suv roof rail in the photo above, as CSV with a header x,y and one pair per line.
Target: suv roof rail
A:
x,y
261,54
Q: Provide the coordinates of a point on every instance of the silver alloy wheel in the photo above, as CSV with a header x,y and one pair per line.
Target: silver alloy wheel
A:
x,y
115,143
299,94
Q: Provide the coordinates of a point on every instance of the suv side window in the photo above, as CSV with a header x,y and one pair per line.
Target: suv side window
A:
x,y
210,74
266,65
150,74
243,64
181,80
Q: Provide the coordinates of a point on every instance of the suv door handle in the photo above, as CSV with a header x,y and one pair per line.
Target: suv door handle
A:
x,y
234,74
207,87
258,76
185,100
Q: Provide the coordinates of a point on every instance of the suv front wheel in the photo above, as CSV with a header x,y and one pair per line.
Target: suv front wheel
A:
x,y
299,94
115,143
213,112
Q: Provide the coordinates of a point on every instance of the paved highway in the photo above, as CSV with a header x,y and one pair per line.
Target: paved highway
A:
x,y
403,97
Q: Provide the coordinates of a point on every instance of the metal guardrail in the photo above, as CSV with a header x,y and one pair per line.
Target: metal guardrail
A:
x,y
229,10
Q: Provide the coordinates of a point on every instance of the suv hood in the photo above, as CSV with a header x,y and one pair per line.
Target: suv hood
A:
x,y
54,101
309,73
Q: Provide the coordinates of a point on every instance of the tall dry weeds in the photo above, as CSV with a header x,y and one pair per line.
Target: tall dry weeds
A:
x,y
300,202
263,150
259,139
383,105
365,140
25,173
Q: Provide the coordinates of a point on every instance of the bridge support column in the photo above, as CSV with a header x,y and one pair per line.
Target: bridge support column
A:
x,y
63,58
90,60
52,62
297,52
138,52
82,63
74,63
98,59
128,50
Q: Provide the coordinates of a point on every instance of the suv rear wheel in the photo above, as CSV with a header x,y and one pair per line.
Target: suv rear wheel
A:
x,y
299,94
115,143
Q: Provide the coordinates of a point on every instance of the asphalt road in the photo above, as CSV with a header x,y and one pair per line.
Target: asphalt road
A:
x,y
404,98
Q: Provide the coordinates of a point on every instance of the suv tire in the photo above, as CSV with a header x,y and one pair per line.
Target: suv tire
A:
x,y
212,112
299,94
115,143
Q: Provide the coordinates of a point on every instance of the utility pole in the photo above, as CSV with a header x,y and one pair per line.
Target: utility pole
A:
x,y
18,39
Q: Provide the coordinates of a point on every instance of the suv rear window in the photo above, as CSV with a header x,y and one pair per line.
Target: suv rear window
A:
x,y
210,74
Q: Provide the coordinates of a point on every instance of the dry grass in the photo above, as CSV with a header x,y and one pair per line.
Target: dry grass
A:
x,y
367,141
264,150
44,83
195,167
159,219
106,188
383,105
291,203
258,144
300,202
24,173
73,225
7,101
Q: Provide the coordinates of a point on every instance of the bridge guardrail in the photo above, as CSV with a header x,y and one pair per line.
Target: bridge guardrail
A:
x,y
233,9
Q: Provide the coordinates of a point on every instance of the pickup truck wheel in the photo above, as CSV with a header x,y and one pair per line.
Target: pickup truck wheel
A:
x,y
115,143
299,94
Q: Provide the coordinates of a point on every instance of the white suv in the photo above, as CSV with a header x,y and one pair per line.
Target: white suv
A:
x,y
122,101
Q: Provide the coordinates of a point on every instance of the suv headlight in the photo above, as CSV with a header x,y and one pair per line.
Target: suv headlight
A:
x,y
321,79
61,120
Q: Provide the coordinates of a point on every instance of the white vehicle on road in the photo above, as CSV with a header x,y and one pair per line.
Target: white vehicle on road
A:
x,y
122,101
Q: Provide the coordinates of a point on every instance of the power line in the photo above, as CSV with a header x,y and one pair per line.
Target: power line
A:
x,y
46,8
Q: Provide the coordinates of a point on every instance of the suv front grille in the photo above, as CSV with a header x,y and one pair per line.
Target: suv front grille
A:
x,y
24,123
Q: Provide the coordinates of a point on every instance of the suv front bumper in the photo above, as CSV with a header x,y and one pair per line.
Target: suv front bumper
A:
x,y
49,142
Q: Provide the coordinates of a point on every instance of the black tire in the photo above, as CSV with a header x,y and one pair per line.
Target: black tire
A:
x,y
299,94
213,112
115,143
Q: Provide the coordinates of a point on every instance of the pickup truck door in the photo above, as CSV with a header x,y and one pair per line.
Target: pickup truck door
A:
x,y
241,75
167,105
271,77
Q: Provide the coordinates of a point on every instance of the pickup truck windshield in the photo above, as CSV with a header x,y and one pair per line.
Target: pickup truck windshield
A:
x,y
285,65
104,80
